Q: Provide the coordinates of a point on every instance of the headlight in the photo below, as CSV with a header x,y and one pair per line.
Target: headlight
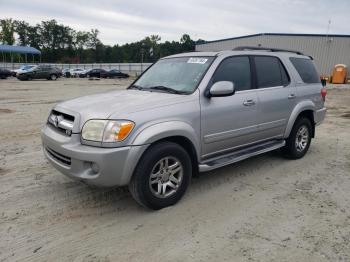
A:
x,y
106,130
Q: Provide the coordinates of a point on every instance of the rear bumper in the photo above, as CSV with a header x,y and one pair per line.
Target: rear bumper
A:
x,y
320,115
105,167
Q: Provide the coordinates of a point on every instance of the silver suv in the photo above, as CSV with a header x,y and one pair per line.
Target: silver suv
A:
x,y
187,113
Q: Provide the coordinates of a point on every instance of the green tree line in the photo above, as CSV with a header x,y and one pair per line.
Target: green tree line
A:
x,y
62,44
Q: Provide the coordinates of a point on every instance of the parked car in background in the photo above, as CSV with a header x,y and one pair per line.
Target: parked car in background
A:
x,y
59,71
75,72
40,72
96,72
4,73
66,72
102,73
114,73
22,69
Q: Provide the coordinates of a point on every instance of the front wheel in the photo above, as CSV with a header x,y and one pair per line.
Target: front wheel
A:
x,y
162,176
53,77
299,140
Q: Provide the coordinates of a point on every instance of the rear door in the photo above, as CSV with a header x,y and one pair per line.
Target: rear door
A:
x,y
276,95
230,122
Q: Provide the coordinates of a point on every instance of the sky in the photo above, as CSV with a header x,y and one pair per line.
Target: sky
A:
x,y
125,21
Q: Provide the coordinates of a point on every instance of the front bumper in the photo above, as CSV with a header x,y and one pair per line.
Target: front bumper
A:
x,y
93,165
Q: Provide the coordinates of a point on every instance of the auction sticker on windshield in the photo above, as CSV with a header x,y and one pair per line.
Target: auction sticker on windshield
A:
x,y
197,60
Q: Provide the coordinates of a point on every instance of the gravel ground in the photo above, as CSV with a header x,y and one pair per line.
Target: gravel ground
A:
x,y
262,209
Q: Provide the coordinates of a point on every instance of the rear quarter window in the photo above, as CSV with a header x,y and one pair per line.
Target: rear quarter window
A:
x,y
306,69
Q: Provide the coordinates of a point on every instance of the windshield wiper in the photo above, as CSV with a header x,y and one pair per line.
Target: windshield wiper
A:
x,y
167,89
136,87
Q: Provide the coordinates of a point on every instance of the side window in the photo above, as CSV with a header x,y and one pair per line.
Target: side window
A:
x,y
270,72
306,70
236,70
285,77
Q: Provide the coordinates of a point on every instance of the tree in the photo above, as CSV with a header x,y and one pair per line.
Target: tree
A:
x,y
187,43
80,41
61,43
7,31
95,43
34,37
22,29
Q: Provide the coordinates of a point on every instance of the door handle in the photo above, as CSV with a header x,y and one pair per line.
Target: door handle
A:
x,y
249,102
292,96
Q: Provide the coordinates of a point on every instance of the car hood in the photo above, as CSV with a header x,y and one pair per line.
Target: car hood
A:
x,y
105,105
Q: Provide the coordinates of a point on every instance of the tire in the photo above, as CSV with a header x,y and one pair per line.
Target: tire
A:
x,y
144,185
299,140
53,77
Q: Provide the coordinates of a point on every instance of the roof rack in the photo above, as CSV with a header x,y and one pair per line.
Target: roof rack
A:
x,y
241,48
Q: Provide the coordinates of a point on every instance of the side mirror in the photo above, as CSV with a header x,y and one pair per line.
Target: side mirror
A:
x,y
222,88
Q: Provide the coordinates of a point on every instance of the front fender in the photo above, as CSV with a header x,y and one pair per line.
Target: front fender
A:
x,y
302,106
163,130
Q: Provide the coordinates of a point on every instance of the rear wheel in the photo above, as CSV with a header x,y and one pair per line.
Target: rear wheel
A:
x,y
299,140
162,176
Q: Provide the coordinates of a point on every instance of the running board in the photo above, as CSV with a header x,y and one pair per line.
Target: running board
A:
x,y
239,155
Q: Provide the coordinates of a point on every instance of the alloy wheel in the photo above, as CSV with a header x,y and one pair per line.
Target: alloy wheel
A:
x,y
302,138
166,177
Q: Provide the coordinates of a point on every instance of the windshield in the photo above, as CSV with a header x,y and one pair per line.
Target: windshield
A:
x,y
181,74
26,67
32,68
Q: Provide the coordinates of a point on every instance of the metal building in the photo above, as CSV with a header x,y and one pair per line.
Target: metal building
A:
x,y
327,50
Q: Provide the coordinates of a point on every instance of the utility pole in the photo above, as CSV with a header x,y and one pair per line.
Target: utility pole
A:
x,y
328,41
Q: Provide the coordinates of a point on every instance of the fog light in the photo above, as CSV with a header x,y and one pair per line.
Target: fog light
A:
x,y
95,168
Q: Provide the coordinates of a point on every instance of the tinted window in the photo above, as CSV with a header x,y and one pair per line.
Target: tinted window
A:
x,y
236,70
306,70
285,77
270,72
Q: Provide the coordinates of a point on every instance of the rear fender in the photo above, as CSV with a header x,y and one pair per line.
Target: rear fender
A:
x,y
302,106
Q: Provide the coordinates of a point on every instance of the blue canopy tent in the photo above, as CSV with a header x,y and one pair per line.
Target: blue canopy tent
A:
x,y
12,49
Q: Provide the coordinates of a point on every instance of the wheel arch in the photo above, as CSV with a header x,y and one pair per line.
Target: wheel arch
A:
x,y
305,109
177,132
186,144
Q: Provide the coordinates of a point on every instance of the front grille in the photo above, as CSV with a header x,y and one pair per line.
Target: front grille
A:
x,y
62,122
59,157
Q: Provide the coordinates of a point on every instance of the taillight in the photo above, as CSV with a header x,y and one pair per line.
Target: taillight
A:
x,y
324,93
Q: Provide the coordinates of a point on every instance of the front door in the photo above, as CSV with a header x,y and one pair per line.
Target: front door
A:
x,y
229,122
41,72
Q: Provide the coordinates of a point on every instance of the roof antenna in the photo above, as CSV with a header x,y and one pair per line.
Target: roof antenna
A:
x,y
328,28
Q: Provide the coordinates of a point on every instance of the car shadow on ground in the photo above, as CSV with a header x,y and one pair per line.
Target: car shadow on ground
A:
x,y
98,201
